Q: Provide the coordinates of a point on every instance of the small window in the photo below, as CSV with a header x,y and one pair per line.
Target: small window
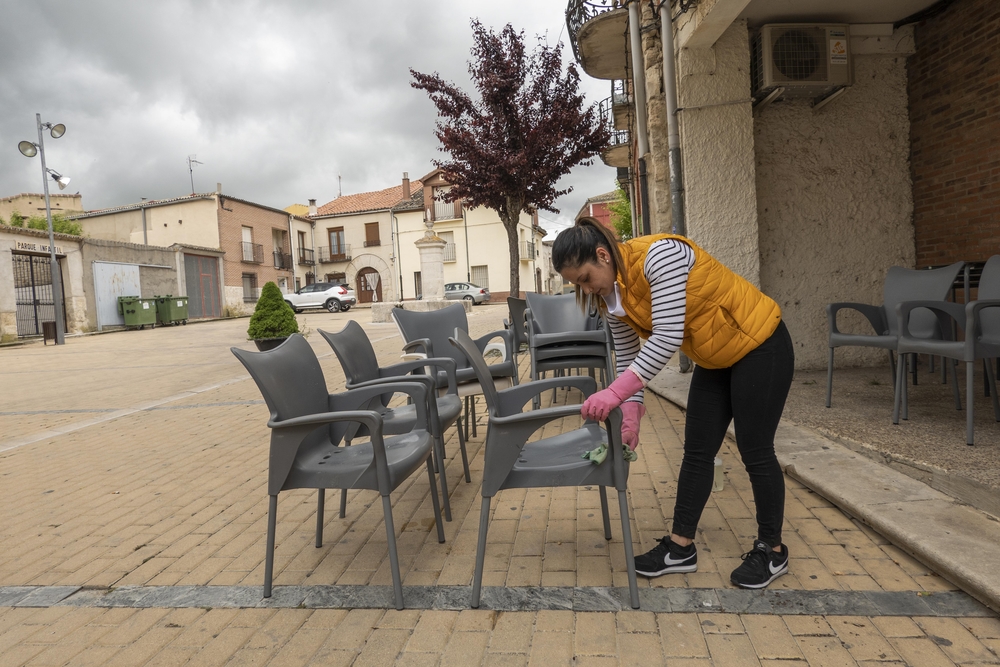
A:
x,y
250,291
372,235
481,276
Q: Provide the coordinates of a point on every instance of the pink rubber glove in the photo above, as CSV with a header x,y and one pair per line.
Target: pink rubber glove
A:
x,y
600,405
631,414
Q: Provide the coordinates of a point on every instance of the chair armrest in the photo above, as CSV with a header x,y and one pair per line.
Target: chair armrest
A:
x,y
537,418
503,334
513,398
874,314
369,418
418,345
942,309
972,310
445,363
416,388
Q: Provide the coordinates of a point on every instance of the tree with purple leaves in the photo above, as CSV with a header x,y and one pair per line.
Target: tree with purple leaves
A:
x,y
529,127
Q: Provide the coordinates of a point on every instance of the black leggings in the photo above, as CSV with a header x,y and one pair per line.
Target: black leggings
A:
x,y
751,393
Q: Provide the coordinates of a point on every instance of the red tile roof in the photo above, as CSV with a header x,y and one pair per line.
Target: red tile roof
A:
x,y
367,201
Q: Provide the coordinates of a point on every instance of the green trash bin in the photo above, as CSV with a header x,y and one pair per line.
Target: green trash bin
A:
x,y
137,312
171,309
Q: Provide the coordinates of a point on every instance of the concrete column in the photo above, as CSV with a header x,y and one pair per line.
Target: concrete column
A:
x,y
431,250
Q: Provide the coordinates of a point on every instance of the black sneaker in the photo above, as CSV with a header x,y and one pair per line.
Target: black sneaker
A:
x,y
667,557
761,565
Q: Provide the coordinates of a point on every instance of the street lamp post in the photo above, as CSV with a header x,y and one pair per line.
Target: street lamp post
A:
x,y
29,149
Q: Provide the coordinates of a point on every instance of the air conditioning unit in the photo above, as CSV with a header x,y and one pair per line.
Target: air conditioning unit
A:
x,y
800,59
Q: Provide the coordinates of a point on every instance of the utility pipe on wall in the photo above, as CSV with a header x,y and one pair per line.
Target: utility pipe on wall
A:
x,y
639,93
673,135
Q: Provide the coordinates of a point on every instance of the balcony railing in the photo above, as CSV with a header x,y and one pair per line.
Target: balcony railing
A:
x,y
373,243
579,12
620,93
606,116
307,256
527,251
449,252
253,253
336,254
282,261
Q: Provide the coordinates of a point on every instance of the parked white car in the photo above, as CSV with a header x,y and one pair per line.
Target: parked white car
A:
x,y
334,297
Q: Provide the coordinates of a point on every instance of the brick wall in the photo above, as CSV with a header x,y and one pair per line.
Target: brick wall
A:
x,y
233,216
954,97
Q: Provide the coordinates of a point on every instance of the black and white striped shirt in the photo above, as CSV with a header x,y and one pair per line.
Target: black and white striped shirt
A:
x,y
667,266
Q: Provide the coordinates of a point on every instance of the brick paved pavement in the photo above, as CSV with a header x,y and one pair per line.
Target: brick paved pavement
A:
x,y
157,479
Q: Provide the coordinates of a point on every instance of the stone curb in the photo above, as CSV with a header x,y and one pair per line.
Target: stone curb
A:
x,y
958,541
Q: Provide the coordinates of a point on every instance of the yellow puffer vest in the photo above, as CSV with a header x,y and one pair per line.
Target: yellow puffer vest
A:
x,y
725,316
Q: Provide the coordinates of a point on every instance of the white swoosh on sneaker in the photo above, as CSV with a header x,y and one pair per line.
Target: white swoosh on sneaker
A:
x,y
668,561
776,570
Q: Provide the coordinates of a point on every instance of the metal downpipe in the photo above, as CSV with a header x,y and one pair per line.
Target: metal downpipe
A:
x,y
673,134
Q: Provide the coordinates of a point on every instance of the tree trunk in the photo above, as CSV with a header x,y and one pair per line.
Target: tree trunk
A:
x,y
515,255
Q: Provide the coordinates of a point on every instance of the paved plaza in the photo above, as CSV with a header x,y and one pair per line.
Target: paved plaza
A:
x,y
133,516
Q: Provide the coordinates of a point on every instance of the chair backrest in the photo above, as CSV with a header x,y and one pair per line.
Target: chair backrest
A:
x,y
355,352
915,285
289,377
989,289
559,313
516,307
436,325
466,348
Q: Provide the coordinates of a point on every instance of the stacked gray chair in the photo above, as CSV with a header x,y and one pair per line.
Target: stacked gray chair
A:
x,y
562,336
308,424
510,462
980,322
900,285
516,324
361,369
428,332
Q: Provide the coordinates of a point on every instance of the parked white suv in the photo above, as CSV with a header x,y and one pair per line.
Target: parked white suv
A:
x,y
335,297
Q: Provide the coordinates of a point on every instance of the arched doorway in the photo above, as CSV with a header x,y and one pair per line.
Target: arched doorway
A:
x,y
369,285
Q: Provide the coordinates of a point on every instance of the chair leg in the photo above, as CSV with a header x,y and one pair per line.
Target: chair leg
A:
x,y
390,534
434,500
633,586
439,455
477,577
272,517
944,371
829,376
899,387
970,368
604,512
465,455
930,363
320,510
954,383
892,365
986,375
536,402
343,503
901,363
913,368
992,379
473,416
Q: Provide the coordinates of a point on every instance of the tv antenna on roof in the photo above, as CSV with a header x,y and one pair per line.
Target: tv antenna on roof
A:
x,y
192,160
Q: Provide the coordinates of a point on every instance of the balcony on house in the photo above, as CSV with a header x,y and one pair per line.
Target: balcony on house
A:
x,y
527,251
282,261
621,104
307,256
598,33
618,152
373,243
253,253
340,253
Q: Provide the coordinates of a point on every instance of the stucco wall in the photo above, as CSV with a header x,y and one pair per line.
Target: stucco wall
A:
x,y
718,150
834,204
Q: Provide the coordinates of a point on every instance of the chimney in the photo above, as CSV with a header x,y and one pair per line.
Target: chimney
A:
x,y
406,185
218,188
312,207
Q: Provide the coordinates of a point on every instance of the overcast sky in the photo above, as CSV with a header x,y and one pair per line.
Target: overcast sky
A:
x,y
274,98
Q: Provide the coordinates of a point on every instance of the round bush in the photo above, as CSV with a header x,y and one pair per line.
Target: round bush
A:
x,y
272,318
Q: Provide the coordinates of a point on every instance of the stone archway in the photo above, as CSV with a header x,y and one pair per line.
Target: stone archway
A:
x,y
376,263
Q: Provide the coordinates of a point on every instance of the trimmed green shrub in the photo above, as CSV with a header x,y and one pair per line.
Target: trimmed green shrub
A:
x,y
272,318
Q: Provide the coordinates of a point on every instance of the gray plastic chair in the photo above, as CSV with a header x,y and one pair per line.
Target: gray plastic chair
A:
x,y
361,369
900,285
510,462
428,333
979,320
561,336
308,424
516,324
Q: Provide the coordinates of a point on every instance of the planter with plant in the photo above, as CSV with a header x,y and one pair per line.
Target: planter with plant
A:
x,y
272,321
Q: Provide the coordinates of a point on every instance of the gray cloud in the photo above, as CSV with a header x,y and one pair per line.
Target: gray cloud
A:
x,y
276,99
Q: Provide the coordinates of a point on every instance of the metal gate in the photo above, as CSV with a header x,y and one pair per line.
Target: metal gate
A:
x,y
201,274
33,293
111,281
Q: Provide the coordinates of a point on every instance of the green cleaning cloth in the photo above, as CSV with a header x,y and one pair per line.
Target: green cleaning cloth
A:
x,y
598,455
